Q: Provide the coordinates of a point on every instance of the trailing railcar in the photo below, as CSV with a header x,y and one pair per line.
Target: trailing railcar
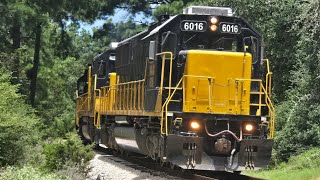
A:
x,y
192,90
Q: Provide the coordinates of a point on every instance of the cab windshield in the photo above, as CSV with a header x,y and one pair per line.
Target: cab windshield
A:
x,y
208,41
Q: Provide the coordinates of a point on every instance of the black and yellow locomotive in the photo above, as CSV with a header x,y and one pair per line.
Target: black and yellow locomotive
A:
x,y
193,90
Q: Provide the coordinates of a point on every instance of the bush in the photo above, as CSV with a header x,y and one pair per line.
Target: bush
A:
x,y
62,125
19,127
308,159
302,166
61,152
26,173
73,171
298,130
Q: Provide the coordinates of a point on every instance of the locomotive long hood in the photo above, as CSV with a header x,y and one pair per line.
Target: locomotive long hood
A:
x,y
216,82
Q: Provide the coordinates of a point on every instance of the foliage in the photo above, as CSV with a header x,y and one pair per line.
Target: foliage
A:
x,y
70,170
26,173
19,127
307,159
56,88
303,166
173,8
64,151
62,124
301,130
117,32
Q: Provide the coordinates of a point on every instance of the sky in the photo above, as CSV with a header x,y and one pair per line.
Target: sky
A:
x,y
119,15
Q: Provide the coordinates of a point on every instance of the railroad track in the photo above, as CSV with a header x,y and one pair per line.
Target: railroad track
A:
x,y
147,165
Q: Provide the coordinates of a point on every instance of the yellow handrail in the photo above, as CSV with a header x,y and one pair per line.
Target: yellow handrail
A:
x,y
271,113
168,100
162,70
268,103
89,87
165,105
267,90
96,121
130,96
78,109
268,78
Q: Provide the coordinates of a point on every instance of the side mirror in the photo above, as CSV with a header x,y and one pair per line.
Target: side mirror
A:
x,y
152,47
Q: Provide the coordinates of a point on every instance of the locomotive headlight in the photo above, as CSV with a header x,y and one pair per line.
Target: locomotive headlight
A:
x,y
214,20
213,28
249,127
195,125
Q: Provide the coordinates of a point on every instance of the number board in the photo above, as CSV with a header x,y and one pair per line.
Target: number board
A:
x,y
189,25
230,28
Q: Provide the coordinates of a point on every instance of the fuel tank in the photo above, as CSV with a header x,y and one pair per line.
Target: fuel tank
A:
x,y
130,139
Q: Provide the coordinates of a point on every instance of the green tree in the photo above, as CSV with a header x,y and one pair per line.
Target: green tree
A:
x,y
19,127
15,15
118,31
172,8
299,128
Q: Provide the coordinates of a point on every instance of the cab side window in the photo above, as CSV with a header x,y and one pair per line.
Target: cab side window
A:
x,y
102,69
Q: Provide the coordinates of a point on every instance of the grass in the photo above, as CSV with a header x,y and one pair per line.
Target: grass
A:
x,y
283,174
304,166
26,173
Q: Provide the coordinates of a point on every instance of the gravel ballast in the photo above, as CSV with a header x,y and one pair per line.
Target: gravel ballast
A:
x,y
105,166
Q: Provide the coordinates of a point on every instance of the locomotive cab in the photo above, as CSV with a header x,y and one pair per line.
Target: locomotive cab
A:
x,y
104,64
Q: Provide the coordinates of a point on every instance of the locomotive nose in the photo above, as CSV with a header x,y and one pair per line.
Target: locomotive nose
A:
x,y
212,82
